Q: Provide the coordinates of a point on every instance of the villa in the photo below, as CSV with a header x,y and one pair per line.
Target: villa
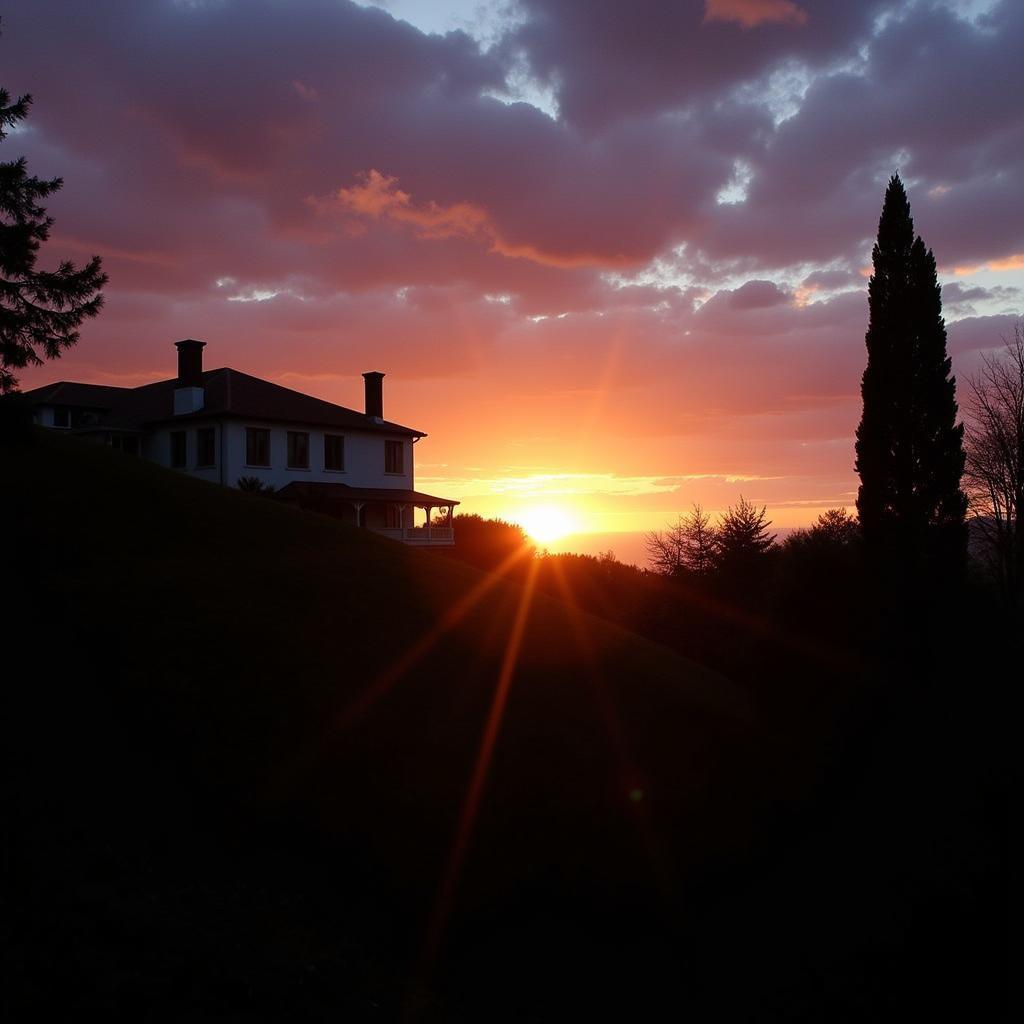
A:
x,y
234,429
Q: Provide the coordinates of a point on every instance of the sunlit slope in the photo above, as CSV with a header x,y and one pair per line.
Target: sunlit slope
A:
x,y
267,659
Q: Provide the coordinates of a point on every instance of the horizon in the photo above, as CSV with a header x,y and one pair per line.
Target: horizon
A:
x,y
609,277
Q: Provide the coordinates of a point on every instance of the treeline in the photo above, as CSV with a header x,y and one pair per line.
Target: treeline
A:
x,y
727,595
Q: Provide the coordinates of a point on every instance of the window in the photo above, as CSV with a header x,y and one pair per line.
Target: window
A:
x,y
334,452
62,417
179,449
205,447
393,517
298,449
257,446
393,456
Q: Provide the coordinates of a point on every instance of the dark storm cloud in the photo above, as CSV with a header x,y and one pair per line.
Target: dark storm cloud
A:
x,y
608,60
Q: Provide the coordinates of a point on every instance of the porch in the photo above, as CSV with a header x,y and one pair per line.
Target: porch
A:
x,y
390,512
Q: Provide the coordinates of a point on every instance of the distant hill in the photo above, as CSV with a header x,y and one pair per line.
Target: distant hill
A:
x,y
239,767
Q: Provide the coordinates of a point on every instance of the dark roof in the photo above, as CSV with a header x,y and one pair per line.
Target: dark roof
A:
x,y
311,490
228,393
85,396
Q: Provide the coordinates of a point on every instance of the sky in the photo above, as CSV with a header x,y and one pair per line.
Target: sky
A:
x,y
612,257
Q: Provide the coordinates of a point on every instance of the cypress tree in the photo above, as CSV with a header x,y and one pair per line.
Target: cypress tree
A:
x,y
910,453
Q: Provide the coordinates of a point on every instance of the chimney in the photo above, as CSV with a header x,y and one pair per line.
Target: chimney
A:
x,y
189,394
374,395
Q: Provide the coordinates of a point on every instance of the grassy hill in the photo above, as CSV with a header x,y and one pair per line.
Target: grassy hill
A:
x,y
243,740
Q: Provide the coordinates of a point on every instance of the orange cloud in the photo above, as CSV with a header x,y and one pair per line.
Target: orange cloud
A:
x,y
803,295
377,196
751,13
1015,261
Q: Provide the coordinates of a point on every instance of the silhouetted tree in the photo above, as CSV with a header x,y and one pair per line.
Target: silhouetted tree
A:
x,y
837,527
909,446
995,463
834,529
818,577
686,547
665,549
700,542
40,311
743,542
488,543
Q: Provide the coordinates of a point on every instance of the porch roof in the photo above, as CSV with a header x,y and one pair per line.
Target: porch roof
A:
x,y
305,490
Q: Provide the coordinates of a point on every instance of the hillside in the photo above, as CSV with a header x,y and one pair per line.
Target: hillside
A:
x,y
239,769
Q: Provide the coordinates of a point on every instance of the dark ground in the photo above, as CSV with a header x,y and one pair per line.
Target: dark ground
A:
x,y
199,827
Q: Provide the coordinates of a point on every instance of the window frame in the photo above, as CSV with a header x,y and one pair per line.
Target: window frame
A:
x,y
201,432
175,435
340,438
265,432
289,464
393,446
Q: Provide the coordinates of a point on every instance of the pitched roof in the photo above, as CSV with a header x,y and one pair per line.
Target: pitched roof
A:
x,y
228,393
307,490
86,396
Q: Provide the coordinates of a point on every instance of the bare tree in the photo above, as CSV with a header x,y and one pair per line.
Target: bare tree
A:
x,y
700,542
665,549
686,547
995,462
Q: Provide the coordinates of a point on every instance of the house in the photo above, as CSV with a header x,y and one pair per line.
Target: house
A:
x,y
225,426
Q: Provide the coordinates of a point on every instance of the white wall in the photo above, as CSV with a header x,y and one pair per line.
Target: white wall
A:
x,y
364,454
364,457
156,447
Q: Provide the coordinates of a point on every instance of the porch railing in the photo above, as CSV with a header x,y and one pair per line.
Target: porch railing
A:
x,y
419,534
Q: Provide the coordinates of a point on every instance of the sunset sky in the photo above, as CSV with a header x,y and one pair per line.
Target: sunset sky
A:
x,y
611,256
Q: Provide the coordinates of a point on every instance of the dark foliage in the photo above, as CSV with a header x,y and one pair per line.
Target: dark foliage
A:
x,y
199,828
487,543
254,485
687,547
732,557
743,541
909,445
40,311
818,586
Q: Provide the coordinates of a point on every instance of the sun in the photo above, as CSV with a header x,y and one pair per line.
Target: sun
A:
x,y
546,523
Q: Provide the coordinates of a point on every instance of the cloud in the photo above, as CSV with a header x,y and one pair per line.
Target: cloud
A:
x,y
607,61
757,295
305,92
1012,262
568,283
377,196
751,13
